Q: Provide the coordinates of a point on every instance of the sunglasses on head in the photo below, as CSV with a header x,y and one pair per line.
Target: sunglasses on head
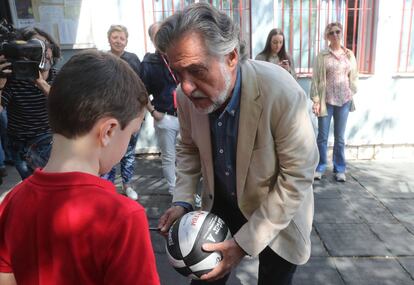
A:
x,y
331,33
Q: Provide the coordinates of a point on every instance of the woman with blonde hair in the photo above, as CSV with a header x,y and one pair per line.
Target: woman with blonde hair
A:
x,y
334,83
118,40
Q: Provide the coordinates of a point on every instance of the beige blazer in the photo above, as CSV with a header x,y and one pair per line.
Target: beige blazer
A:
x,y
276,159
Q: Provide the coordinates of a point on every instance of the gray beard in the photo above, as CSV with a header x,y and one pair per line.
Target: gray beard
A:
x,y
223,96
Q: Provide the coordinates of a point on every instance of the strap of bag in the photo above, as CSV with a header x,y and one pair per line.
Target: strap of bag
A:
x,y
175,80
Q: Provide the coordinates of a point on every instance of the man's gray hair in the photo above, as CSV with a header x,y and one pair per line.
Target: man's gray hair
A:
x,y
218,30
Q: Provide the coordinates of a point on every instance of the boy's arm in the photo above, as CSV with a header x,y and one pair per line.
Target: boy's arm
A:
x,y
7,279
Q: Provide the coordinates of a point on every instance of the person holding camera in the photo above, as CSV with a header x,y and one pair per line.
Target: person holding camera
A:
x,y
26,100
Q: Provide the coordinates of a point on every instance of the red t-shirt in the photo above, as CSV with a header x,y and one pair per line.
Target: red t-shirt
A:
x,y
73,228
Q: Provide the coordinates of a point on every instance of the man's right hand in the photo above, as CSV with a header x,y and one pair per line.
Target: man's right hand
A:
x,y
169,217
158,116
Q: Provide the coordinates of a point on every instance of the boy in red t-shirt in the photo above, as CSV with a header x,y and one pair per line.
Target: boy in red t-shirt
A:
x,y
64,224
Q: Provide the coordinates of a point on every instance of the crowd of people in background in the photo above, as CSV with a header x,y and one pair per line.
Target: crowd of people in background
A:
x,y
26,137
206,100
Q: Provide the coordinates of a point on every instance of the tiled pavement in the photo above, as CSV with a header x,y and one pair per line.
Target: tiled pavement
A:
x,y
363,229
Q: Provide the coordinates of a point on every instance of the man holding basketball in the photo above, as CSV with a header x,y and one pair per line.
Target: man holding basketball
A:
x,y
245,128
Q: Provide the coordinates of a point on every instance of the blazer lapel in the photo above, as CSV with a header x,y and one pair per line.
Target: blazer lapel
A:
x,y
250,112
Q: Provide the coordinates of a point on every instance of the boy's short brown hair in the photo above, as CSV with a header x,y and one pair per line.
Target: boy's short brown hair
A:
x,y
90,86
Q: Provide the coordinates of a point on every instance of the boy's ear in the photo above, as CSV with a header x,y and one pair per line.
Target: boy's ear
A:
x,y
107,130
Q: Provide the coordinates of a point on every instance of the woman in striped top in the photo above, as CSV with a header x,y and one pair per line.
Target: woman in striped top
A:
x,y
26,102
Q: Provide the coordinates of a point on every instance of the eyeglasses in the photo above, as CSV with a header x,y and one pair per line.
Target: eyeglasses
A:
x,y
331,33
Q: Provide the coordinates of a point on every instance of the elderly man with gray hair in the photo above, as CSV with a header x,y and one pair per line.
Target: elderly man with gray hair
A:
x,y
244,127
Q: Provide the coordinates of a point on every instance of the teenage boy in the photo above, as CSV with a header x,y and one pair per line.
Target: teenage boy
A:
x,y
64,224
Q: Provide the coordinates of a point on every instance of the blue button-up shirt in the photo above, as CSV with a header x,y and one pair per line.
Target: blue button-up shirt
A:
x,y
224,128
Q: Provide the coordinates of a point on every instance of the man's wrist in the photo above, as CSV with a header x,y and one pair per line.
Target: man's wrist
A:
x,y
186,206
235,241
152,112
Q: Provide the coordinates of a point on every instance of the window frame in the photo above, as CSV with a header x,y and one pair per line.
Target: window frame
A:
x,y
304,21
406,44
238,10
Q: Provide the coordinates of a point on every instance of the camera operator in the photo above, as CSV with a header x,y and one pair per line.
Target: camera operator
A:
x,y
26,102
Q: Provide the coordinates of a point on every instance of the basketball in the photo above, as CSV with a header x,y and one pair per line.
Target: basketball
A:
x,y
185,238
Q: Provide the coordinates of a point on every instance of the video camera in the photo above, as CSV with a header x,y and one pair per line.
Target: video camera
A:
x,y
26,57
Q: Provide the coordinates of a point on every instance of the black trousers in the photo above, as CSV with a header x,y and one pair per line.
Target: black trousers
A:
x,y
273,269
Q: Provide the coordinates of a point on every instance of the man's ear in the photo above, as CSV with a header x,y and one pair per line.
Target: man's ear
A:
x,y
233,58
107,130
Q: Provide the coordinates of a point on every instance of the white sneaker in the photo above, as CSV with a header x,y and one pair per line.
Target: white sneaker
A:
x,y
340,177
131,193
317,175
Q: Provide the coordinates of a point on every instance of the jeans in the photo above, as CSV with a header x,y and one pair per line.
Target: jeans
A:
x,y
340,117
1,156
5,153
30,154
127,163
166,131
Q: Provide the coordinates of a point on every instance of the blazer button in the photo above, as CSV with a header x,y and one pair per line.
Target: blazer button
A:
x,y
210,196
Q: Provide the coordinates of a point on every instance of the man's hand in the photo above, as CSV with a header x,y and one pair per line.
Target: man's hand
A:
x,y
232,254
4,70
157,115
169,217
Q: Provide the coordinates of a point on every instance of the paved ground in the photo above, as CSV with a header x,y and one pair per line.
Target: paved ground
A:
x,y
363,229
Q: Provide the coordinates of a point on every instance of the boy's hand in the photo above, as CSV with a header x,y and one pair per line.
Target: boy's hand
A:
x,y
232,255
169,217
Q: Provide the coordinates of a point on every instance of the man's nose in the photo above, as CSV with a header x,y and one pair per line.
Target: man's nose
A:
x,y
188,86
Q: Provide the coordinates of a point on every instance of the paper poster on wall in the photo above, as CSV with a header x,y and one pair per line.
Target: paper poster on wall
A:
x,y
68,21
